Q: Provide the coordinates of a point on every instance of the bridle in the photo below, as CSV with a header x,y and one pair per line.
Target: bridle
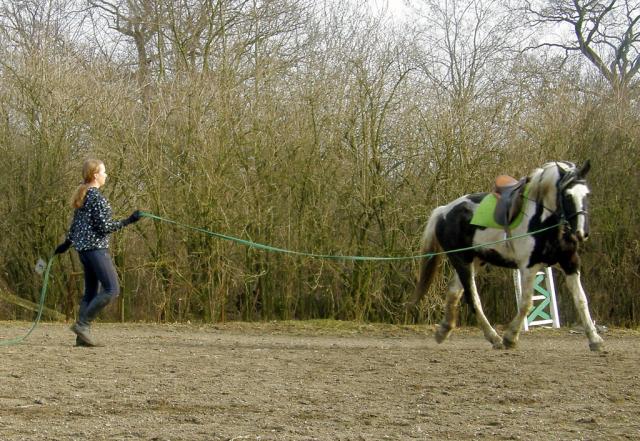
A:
x,y
569,179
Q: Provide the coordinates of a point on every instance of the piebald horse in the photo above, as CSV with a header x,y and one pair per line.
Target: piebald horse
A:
x,y
555,201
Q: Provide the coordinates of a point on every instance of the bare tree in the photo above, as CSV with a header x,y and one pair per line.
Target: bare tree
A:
x,y
137,19
605,32
466,44
465,50
30,25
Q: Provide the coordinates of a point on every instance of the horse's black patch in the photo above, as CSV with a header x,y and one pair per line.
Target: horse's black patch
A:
x,y
495,258
554,246
476,198
454,230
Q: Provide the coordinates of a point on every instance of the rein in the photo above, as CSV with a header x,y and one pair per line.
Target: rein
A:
x,y
560,213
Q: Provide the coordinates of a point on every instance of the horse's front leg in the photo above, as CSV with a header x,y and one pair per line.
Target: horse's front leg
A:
x,y
512,334
582,306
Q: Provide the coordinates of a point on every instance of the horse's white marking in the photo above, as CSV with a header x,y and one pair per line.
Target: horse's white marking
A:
x,y
578,193
582,305
489,333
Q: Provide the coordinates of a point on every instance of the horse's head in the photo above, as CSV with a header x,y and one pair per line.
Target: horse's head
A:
x,y
571,198
561,188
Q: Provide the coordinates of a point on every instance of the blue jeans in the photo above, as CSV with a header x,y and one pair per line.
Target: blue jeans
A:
x,y
99,271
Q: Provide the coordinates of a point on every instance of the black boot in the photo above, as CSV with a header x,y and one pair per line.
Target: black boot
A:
x,y
82,333
80,343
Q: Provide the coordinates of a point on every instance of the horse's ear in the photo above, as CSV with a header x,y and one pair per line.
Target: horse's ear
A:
x,y
584,169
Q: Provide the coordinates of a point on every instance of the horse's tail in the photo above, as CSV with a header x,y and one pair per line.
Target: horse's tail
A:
x,y
429,264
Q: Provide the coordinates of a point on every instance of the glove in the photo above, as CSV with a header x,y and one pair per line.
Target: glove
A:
x,y
63,247
135,217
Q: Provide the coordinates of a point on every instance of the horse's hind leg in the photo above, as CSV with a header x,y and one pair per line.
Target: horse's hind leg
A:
x,y
451,309
580,301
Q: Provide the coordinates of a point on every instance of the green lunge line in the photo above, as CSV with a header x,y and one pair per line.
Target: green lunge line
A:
x,y
336,257
43,293
248,243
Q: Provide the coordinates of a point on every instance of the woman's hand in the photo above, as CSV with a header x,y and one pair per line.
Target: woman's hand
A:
x,y
63,247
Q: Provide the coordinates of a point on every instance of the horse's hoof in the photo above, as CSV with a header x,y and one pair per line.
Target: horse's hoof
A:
x,y
497,345
508,343
597,346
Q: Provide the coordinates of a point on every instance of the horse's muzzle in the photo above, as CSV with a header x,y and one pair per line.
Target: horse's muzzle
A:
x,y
581,227
582,236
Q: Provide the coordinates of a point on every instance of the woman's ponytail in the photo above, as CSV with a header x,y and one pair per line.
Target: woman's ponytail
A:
x,y
78,196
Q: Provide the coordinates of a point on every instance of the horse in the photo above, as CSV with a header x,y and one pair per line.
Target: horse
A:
x,y
554,222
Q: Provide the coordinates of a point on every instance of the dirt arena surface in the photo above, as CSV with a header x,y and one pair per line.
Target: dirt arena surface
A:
x,y
315,381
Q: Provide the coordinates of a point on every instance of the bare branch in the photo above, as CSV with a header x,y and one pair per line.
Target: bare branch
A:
x,y
604,33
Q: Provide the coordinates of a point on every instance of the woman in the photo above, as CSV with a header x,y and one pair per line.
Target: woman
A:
x,y
89,234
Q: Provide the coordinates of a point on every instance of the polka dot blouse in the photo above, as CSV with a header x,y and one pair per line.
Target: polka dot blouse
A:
x,y
92,223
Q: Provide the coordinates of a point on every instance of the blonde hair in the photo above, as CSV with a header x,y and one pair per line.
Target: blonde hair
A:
x,y
89,170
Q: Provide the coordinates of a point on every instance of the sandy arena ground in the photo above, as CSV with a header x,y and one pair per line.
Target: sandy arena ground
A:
x,y
315,381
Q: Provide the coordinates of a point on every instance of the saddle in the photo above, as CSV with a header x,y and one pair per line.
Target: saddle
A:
x,y
508,192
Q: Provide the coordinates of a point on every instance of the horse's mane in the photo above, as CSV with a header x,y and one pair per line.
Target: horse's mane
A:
x,y
543,181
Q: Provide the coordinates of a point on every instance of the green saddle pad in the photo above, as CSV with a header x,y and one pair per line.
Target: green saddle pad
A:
x,y
483,217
